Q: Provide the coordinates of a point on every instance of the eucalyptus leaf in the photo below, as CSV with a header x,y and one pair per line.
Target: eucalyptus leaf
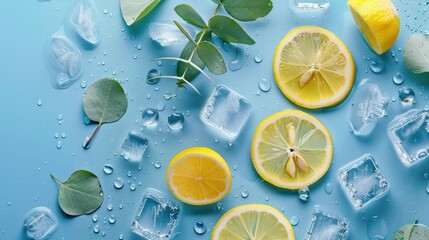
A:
x,y
134,10
183,30
412,232
416,53
80,194
247,10
211,57
188,14
104,102
191,72
229,30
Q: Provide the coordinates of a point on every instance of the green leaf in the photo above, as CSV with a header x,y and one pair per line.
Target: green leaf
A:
x,y
183,30
229,30
248,10
412,232
191,72
134,10
216,1
188,14
104,102
416,53
211,57
80,194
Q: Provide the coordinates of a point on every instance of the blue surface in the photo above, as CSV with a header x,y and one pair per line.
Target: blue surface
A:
x,y
29,149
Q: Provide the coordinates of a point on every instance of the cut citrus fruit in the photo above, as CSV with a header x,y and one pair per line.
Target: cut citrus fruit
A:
x,y
313,68
291,149
198,176
254,222
378,21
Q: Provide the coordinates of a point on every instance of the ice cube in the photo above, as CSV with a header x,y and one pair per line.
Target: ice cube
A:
x,y
362,181
325,226
40,223
305,5
84,21
408,133
156,217
369,104
226,111
134,146
66,60
166,33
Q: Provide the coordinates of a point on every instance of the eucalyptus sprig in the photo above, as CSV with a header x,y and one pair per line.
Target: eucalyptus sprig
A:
x,y
200,51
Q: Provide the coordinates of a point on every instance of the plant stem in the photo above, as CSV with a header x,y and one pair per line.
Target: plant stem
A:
x,y
86,145
196,45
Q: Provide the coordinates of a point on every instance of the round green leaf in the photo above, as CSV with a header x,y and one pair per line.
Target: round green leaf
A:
x,y
211,57
80,194
134,10
229,30
412,232
416,53
105,101
188,14
248,10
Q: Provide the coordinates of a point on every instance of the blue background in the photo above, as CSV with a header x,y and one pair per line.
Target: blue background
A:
x,y
28,149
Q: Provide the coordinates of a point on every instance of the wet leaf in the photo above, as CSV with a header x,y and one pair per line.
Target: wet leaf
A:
x,y
412,232
416,53
229,30
80,194
134,10
248,10
211,57
188,14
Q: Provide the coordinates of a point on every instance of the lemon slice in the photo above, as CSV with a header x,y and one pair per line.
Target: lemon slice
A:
x,y
253,222
313,68
378,21
291,149
198,176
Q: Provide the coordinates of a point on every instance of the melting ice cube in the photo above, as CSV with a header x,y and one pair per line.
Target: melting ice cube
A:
x,y
156,217
325,226
166,33
84,21
409,135
134,146
40,223
226,111
369,104
305,5
362,181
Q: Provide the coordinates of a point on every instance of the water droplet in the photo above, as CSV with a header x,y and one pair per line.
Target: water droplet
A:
x,y
425,175
160,106
304,194
112,219
427,189
328,188
398,78
86,120
96,228
376,66
244,193
9,204
150,116
118,183
109,207
169,96
84,144
258,59
133,186
226,46
264,85
294,220
139,47
176,120
376,228
158,165
129,173
121,236
59,145
219,206
407,96
83,84
108,169
63,135
56,135
199,227
39,102
267,199
60,117
95,218
238,62
152,76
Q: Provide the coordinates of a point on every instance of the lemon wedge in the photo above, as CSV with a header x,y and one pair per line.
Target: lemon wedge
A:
x,y
313,68
198,176
291,149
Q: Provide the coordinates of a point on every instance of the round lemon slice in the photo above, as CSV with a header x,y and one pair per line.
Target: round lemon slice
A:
x,y
378,21
291,149
198,176
313,68
255,222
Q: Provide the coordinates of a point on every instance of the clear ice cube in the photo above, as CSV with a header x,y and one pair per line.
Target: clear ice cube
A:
x,y
84,21
409,135
66,60
156,217
362,181
325,226
300,5
227,111
40,223
134,146
166,33
369,105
